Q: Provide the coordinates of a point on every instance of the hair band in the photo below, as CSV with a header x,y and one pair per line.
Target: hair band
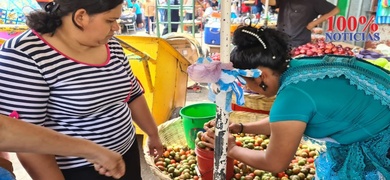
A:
x,y
256,36
52,7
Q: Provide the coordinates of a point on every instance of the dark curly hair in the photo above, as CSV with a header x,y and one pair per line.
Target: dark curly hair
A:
x,y
50,19
264,47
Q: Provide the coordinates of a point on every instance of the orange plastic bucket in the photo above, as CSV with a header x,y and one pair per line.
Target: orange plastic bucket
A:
x,y
205,159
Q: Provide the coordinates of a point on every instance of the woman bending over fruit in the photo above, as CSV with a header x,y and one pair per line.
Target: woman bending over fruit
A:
x,y
342,101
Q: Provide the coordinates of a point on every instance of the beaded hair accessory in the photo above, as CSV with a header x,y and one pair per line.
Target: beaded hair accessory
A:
x,y
52,7
256,36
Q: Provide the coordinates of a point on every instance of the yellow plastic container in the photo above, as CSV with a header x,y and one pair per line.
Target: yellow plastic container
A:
x,y
162,71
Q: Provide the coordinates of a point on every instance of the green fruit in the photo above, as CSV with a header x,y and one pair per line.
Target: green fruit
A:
x,y
295,177
301,176
258,172
171,169
380,62
302,162
387,66
201,145
199,134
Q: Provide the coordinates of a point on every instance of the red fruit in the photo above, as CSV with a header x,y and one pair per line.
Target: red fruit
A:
x,y
309,53
281,174
328,51
302,51
310,160
329,46
334,49
296,53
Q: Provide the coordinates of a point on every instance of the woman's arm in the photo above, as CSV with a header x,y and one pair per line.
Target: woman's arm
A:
x,y
258,127
19,136
141,115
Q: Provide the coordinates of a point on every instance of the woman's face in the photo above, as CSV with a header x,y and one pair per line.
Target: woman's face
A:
x,y
99,28
268,78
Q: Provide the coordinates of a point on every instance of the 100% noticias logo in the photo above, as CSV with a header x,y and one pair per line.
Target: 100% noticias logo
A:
x,y
351,24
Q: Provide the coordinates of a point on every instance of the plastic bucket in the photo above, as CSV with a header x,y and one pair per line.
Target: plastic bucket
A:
x,y
205,161
194,116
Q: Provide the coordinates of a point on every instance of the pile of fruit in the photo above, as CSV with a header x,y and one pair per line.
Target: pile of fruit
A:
x,y
321,48
317,34
301,167
180,162
216,56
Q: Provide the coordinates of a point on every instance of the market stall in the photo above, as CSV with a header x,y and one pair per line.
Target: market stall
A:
x,y
211,36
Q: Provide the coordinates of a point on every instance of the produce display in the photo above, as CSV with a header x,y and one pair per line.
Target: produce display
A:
x,y
180,162
379,56
321,48
216,56
317,35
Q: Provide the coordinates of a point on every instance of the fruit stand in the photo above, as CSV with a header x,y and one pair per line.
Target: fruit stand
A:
x,y
379,56
179,161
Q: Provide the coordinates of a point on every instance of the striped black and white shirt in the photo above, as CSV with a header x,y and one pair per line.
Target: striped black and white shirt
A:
x,y
50,89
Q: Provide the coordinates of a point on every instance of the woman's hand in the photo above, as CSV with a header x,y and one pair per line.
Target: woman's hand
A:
x,y
233,127
156,148
209,136
209,125
108,163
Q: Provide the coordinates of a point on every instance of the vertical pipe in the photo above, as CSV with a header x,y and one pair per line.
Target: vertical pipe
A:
x,y
222,119
157,20
168,20
266,12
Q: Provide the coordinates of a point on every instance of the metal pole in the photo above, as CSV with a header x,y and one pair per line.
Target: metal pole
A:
x,y
266,13
222,119
157,20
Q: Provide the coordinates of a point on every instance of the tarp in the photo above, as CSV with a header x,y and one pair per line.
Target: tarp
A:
x,y
13,11
12,16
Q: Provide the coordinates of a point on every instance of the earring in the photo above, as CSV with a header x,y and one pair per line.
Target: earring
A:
x,y
263,86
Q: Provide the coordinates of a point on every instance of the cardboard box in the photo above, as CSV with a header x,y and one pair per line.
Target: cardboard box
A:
x,y
185,48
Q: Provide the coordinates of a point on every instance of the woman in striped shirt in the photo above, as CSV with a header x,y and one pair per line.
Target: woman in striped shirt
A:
x,y
68,74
